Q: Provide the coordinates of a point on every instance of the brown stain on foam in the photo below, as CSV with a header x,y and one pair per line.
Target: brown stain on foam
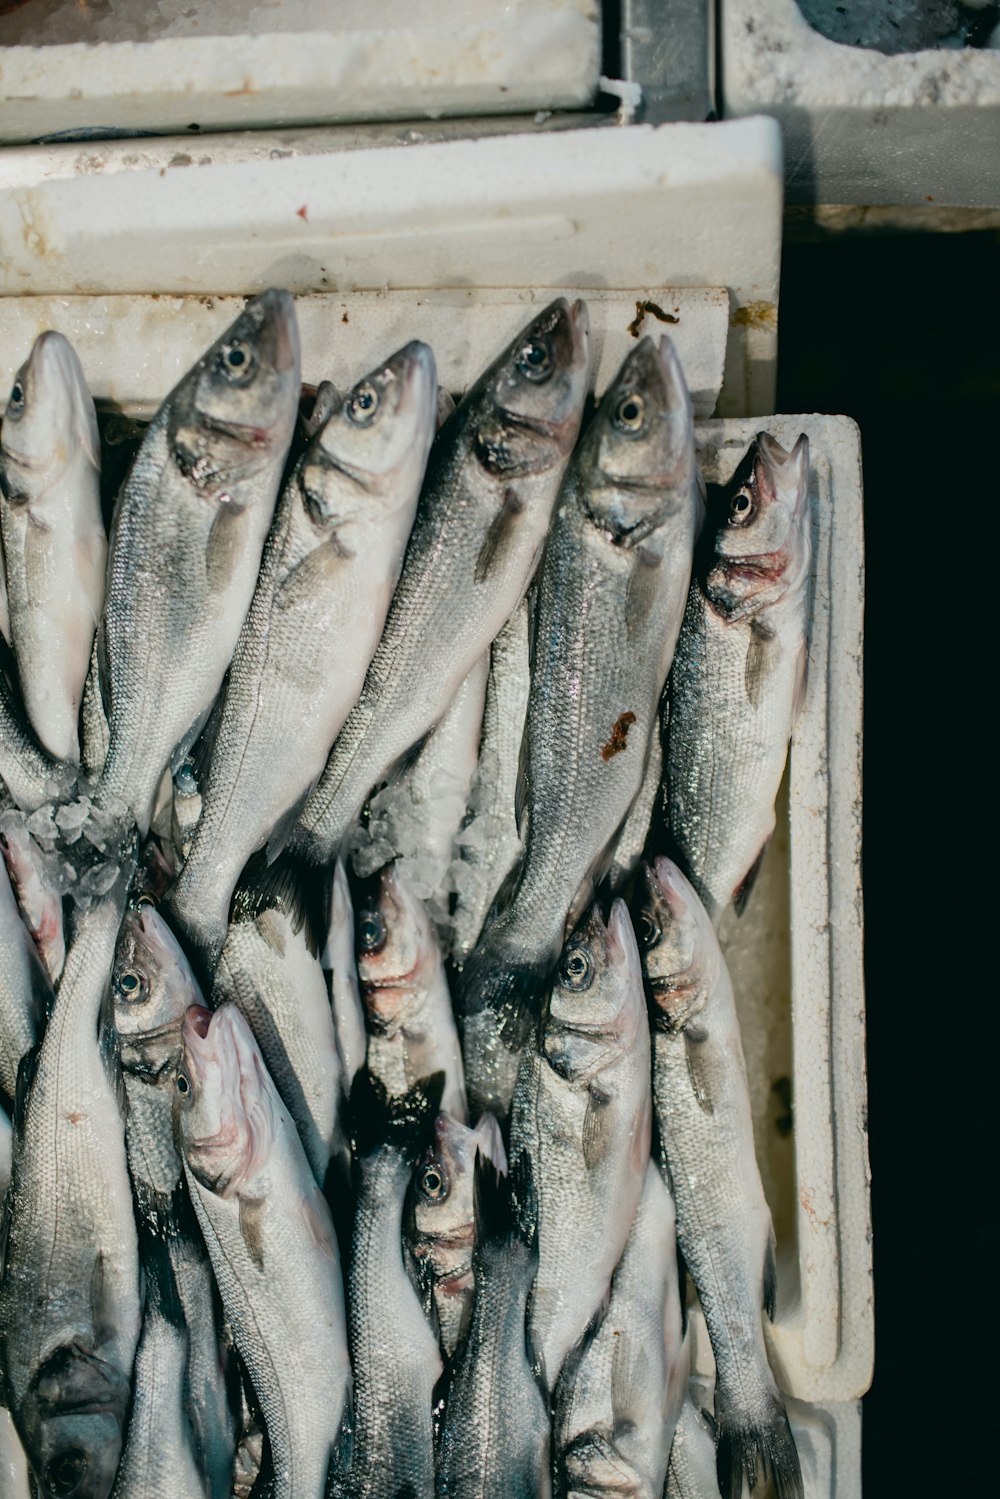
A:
x,y
755,315
619,736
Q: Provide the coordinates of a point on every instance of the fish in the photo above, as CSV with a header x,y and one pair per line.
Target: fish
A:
x,y
404,989
495,1433
55,547
394,1350
270,970
26,995
582,1113
330,565
33,878
31,776
152,987
611,595
414,820
442,1223
691,1473
739,674
621,1390
489,844
484,509
345,992
185,548
271,1242
705,1130
69,1286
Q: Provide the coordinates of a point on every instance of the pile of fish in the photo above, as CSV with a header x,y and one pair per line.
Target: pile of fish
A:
x,y
370,1071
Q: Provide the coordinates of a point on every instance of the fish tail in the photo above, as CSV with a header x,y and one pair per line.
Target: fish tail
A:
x,y
748,1448
508,984
377,1118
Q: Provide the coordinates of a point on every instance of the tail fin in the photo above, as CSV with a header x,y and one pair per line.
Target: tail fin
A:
x,y
288,885
403,1122
767,1448
512,988
505,1207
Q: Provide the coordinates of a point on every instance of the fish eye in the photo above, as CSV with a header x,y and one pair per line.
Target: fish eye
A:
x,y
630,413
363,403
183,1084
131,985
534,359
649,934
371,932
16,395
236,361
741,507
64,1471
577,970
432,1183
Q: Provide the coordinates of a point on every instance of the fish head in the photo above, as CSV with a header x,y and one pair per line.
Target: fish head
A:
x,y
372,449
593,1465
394,946
596,1007
72,1422
234,412
152,986
50,418
638,453
680,952
443,1182
530,402
761,528
225,1114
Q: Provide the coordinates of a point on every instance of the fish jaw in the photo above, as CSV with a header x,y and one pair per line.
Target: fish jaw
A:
x,y
225,1113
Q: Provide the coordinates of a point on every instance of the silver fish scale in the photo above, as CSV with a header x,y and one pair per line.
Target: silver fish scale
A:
x,y
159,1456
31,777
26,988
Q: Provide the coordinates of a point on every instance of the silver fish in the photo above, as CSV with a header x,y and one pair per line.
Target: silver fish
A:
x,y
33,880
631,840
25,989
30,775
345,992
186,543
271,1243
495,1436
55,549
329,569
488,493
706,1138
394,1351
270,970
69,1295
489,845
620,1394
582,1113
738,677
613,585
442,1229
411,1027
691,1474
152,987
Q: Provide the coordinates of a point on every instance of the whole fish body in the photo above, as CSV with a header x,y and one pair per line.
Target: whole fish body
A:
x,y
69,1294
30,775
489,845
611,597
55,549
441,1229
739,674
186,543
25,990
271,1242
404,989
706,1134
394,1351
152,987
270,970
582,1114
496,1432
330,565
618,1401
484,510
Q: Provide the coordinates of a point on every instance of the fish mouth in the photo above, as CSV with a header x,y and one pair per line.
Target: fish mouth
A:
x,y
457,1238
249,434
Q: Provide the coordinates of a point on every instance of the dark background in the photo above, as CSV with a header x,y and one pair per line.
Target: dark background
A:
x,y
902,332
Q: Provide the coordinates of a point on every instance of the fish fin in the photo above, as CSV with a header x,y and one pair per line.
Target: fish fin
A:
x,y
758,664
698,1073
161,1282
682,1286
104,1311
770,1275
596,1139
744,889
489,1142
746,1449
493,1206
629,1377
289,886
252,1210
403,1122
801,680
224,548
641,592
522,789
185,745
282,831
26,1069
500,535
111,1054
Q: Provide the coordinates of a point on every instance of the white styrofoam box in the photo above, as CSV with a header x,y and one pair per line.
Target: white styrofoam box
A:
x,y
129,64
828,1441
681,206
135,349
796,958
861,127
